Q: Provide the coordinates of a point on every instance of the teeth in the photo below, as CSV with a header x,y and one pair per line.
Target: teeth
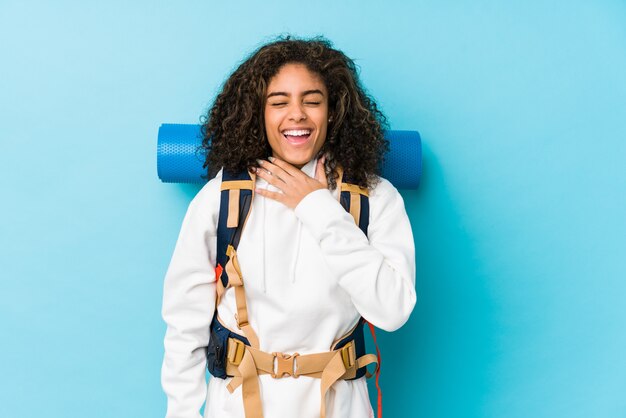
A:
x,y
294,132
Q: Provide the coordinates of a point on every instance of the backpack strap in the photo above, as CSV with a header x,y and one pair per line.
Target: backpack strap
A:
x,y
237,191
355,200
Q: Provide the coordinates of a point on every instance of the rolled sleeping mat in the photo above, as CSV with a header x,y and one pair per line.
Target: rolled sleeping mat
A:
x,y
179,158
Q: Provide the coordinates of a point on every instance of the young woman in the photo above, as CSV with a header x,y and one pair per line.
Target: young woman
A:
x,y
295,117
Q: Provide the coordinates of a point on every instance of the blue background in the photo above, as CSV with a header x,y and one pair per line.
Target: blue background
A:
x,y
519,223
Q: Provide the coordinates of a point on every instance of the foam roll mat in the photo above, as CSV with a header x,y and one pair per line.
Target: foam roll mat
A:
x,y
180,158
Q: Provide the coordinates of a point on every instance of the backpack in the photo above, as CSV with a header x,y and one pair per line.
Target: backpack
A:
x,y
230,354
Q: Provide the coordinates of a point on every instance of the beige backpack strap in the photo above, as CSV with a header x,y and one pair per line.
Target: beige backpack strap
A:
x,y
355,195
235,278
236,281
245,363
332,372
234,191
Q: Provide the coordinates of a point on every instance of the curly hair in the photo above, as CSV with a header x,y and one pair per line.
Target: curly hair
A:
x,y
233,130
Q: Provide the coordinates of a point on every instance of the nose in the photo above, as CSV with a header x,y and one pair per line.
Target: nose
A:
x,y
297,113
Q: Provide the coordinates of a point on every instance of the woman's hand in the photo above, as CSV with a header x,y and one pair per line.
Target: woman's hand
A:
x,y
292,182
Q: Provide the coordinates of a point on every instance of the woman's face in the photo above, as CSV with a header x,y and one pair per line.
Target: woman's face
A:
x,y
296,114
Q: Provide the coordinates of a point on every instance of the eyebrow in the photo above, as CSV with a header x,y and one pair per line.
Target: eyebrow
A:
x,y
304,93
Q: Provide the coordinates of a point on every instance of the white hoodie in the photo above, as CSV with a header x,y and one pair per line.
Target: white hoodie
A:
x,y
309,274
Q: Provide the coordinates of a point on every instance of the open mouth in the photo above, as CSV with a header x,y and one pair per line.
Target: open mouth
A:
x,y
297,136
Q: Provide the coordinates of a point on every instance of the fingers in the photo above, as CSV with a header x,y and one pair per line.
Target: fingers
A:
x,y
292,183
270,173
280,169
272,195
284,166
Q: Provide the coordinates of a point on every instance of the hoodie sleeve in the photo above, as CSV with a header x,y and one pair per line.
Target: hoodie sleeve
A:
x,y
378,271
188,306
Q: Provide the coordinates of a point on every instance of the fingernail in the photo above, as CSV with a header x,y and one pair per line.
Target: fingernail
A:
x,y
260,162
271,159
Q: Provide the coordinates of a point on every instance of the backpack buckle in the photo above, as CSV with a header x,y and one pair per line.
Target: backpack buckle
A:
x,y
348,355
241,324
236,350
284,364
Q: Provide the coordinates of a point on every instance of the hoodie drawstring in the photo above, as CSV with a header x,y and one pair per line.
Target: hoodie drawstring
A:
x,y
263,241
292,270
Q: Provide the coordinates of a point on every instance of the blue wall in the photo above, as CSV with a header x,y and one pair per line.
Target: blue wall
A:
x,y
519,223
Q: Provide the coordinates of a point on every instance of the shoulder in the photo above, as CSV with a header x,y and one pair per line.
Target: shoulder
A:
x,y
206,201
383,189
210,189
384,199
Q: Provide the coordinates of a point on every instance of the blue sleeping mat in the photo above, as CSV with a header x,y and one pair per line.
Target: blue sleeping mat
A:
x,y
180,161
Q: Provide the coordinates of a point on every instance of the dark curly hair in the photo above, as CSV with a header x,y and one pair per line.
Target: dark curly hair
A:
x,y
233,130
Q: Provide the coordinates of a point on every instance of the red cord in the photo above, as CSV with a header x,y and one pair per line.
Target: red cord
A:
x,y
380,393
218,272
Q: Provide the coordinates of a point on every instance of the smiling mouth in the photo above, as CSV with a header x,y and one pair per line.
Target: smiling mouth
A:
x,y
297,137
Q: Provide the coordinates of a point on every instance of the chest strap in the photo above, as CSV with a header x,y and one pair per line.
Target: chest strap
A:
x,y
246,363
